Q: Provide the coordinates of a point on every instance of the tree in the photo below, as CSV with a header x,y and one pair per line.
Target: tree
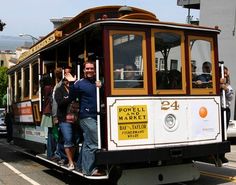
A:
x,y
3,83
2,24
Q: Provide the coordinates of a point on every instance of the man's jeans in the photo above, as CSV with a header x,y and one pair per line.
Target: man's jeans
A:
x,y
90,145
67,133
60,150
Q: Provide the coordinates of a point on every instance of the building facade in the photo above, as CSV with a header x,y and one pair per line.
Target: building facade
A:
x,y
59,21
222,14
7,58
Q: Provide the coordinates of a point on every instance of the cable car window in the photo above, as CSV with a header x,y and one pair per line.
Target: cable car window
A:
x,y
35,78
128,67
26,82
12,91
168,53
128,62
19,86
202,68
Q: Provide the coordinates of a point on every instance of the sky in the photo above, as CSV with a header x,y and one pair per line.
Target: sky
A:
x,y
33,16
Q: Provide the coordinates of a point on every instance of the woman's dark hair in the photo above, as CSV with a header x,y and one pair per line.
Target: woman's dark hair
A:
x,y
45,80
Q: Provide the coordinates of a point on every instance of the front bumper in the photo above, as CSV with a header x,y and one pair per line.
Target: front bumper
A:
x,y
192,152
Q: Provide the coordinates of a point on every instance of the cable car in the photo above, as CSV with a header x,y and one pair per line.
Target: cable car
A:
x,y
156,116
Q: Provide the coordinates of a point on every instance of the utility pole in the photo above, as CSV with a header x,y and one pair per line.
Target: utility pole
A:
x,y
2,24
189,16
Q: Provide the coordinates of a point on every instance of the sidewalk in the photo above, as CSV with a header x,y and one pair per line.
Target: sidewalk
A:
x,y
232,156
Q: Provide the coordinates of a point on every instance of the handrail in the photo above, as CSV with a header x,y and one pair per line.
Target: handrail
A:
x,y
98,106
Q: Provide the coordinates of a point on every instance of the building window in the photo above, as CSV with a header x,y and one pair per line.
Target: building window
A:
x,y
173,64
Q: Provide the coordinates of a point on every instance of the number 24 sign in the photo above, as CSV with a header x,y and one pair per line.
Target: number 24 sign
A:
x,y
166,105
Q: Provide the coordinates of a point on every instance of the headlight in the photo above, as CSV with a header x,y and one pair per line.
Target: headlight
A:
x,y
171,123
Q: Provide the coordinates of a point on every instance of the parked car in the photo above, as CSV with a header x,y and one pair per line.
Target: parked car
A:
x,y
3,127
231,132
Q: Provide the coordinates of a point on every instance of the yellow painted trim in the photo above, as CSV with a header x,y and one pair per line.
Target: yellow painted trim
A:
x,y
36,112
41,44
219,176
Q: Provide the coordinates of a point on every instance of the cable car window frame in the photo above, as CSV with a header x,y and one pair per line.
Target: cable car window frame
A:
x,y
129,91
182,62
203,91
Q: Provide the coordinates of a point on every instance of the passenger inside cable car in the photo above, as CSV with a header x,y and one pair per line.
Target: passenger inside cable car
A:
x,y
204,80
130,77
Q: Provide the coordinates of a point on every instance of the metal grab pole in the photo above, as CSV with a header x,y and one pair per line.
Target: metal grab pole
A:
x,y
223,101
98,106
78,71
39,78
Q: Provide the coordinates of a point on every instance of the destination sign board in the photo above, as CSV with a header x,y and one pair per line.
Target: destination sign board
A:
x,y
132,122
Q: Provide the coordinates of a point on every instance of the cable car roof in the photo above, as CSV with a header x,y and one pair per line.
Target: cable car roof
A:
x,y
104,15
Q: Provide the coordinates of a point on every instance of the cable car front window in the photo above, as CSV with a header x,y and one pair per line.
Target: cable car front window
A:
x,y
35,78
202,67
168,60
127,60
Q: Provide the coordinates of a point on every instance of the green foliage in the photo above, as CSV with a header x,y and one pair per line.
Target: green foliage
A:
x,y
2,24
3,83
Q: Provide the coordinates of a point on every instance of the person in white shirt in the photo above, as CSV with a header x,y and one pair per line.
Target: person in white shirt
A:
x,y
229,94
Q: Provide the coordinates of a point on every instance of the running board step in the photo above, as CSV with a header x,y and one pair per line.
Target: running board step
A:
x,y
44,158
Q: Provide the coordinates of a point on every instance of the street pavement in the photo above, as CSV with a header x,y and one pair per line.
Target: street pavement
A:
x,y
44,174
